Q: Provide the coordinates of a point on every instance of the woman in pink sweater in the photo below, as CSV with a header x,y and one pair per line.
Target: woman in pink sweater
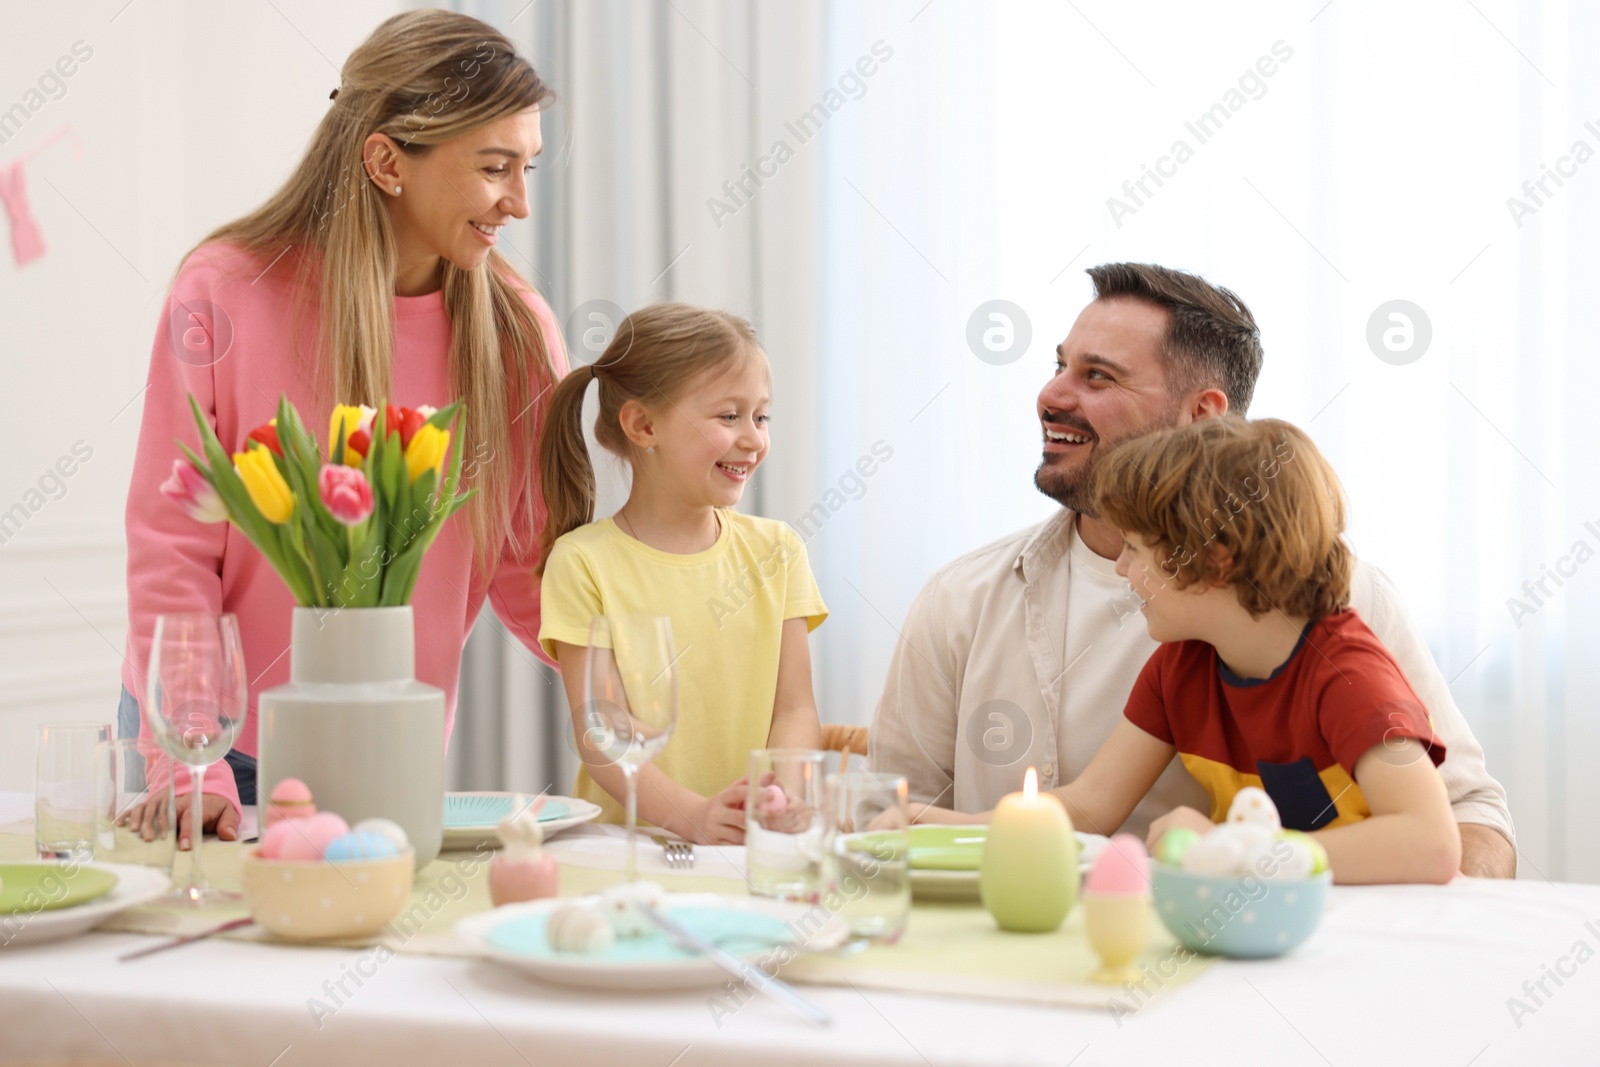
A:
x,y
371,276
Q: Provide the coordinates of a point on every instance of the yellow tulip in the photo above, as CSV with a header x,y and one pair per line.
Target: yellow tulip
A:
x,y
268,491
428,446
350,415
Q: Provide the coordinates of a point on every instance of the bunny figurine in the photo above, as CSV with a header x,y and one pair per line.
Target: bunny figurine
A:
x,y
522,870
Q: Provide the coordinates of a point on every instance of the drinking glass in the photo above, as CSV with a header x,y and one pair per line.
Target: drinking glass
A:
x,y
136,812
196,704
869,842
63,791
783,832
630,698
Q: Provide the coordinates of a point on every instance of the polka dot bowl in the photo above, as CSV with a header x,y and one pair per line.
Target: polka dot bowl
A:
x,y
1243,917
318,901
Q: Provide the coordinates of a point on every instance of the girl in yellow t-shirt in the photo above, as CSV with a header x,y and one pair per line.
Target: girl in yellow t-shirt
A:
x,y
683,401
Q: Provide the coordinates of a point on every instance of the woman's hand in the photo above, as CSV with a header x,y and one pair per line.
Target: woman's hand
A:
x,y
1185,817
151,817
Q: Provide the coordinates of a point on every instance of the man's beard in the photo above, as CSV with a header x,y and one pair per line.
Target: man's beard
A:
x,y
1073,487
1070,487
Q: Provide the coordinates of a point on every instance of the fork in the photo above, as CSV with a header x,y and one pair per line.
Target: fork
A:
x,y
679,855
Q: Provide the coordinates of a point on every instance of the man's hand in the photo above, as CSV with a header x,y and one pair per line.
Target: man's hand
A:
x,y
1485,852
1186,817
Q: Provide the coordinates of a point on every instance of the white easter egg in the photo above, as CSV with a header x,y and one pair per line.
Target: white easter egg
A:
x,y
1216,855
1252,805
385,828
1279,860
578,928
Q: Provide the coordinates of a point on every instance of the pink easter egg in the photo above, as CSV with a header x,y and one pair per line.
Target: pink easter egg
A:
x,y
512,881
273,841
305,839
1121,869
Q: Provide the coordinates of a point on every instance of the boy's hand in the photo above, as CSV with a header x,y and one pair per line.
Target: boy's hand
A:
x,y
1185,817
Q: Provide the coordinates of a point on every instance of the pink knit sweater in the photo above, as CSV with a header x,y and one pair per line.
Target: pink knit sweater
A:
x,y
225,338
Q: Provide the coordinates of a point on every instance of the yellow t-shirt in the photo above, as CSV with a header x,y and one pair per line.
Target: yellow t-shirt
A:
x,y
727,606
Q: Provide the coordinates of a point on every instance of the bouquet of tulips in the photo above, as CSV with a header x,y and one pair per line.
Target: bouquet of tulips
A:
x,y
346,531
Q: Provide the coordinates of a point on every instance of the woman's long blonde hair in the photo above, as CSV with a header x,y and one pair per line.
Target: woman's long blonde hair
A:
x,y
422,77
656,352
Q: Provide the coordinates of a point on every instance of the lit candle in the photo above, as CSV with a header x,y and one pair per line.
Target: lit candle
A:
x,y
1028,877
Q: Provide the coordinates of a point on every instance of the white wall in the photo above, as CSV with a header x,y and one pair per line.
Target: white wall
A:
x,y
187,116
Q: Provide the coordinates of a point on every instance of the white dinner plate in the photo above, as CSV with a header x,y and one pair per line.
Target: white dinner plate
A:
x,y
958,886
135,885
470,836
514,935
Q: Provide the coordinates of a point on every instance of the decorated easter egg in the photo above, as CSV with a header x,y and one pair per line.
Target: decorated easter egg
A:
x,y
386,828
1216,854
1121,869
1319,855
291,799
359,845
1252,805
578,928
1173,844
620,906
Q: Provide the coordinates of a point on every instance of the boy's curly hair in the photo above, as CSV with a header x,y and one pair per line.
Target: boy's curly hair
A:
x,y
1249,504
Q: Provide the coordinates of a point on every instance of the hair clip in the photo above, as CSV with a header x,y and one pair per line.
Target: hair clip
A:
x,y
333,95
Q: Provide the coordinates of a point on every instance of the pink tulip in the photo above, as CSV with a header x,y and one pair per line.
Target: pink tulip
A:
x,y
346,493
189,487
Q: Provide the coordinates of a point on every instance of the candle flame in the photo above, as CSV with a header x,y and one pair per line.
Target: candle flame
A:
x,y
1030,784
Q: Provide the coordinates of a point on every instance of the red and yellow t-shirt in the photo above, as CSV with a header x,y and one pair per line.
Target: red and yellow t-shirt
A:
x,y
1297,734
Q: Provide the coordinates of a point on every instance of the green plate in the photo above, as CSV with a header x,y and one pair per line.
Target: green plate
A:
x,y
947,848
34,887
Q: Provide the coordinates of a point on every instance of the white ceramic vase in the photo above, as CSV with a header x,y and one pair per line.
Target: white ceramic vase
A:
x,y
355,725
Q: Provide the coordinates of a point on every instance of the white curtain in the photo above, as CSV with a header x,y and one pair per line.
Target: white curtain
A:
x,y
1339,157
1336,157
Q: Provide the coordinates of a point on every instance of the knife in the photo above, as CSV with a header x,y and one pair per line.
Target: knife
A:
x,y
743,970
186,939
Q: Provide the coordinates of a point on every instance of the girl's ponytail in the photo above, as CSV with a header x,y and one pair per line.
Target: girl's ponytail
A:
x,y
566,475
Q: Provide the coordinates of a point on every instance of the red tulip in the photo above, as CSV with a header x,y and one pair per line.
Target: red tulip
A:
x,y
267,434
405,420
346,493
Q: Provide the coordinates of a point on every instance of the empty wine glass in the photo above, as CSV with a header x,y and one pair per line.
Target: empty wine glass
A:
x,y
196,704
630,696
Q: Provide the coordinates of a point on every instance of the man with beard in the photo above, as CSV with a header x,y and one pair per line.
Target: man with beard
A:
x,y
1023,653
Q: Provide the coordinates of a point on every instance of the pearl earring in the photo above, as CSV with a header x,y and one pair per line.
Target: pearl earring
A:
x,y
397,190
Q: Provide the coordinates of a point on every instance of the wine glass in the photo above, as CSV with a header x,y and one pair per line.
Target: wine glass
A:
x,y
630,696
196,704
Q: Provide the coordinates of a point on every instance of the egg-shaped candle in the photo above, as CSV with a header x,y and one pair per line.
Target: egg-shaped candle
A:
x,y
1028,876
1116,908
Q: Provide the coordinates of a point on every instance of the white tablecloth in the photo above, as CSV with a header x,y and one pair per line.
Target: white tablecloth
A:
x,y
1405,975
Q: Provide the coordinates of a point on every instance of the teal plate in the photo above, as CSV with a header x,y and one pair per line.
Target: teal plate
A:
x,y
470,811
742,933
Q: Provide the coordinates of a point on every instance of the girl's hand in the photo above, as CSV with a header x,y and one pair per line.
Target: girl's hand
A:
x,y
1185,817
721,820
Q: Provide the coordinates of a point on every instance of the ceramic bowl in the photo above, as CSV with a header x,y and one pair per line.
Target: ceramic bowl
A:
x,y
1241,917
317,901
